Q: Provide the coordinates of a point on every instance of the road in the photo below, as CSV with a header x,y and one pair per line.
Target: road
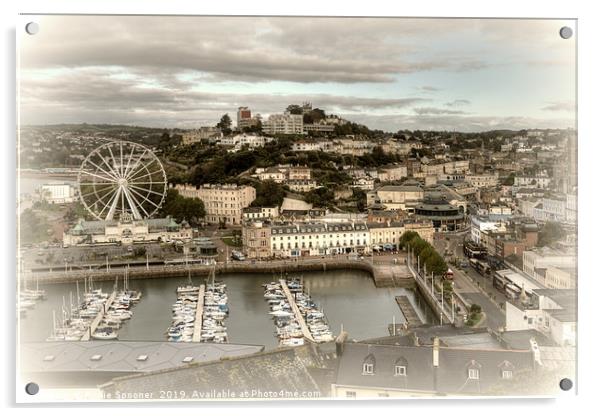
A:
x,y
473,287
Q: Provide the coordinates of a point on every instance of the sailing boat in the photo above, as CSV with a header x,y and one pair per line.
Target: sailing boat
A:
x,y
189,288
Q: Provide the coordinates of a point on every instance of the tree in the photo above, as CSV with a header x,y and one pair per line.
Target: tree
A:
x,y
225,124
436,265
294,109
417,244
406,237
268,194
320,197
550,233
34,228
181,208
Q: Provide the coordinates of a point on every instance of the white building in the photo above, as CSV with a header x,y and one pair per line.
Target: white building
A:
x,y
260,213
571,208
313,239
550,209
480,224
537,262
541,180
551,312
283,124
127,231
482,181
241,140
366,184
306,146
223,203
203,133
57,193
456,166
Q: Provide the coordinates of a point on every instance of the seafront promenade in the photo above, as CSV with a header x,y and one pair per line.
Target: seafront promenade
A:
x,y
385,275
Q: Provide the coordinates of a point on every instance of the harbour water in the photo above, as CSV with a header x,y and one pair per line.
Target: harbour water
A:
x,y
348,298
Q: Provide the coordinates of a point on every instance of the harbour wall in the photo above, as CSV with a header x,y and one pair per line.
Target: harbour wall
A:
x,y
381,273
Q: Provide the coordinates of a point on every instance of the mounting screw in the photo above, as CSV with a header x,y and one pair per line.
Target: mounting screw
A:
x,y
32,389
566,32
32,28
566,384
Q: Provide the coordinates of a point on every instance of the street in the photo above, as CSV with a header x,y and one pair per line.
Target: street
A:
x,y
469,284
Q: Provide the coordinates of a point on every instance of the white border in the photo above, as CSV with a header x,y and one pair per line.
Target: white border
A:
x,y
589,153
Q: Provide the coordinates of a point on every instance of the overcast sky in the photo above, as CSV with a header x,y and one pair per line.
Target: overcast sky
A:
x,y
390,74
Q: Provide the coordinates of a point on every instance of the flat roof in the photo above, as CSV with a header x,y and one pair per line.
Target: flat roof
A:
x,y
123,356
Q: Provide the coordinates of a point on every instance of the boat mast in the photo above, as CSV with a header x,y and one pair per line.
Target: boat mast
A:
x,y
77,288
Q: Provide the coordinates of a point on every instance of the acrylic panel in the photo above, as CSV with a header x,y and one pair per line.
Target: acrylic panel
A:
x,y
309,208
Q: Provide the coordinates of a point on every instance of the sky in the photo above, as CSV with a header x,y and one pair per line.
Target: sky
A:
x,y
387,73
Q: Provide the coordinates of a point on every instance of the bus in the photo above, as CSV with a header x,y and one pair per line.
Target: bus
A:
x,y
473,250
512,284
481,267
500,281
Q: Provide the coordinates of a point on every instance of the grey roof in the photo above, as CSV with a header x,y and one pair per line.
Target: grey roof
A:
x,y
284,369
98,227
481,340
400,188
307,228
418,362
450,377
566,299
122,356
522,339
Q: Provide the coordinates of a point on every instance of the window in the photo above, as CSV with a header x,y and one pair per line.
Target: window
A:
x,y
350,394
473,373
368,368
507,374
400,370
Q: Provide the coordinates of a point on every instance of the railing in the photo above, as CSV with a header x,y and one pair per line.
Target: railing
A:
x,y
435,297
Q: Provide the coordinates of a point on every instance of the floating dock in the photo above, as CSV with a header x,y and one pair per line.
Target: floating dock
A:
x,y
408,311
296,311
99,317
198,319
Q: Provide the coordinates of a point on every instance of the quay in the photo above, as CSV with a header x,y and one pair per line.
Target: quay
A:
x,y
432,297
198,320
408,311
99,317
296,311
384,275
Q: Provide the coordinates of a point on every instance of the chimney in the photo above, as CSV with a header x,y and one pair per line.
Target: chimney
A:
x,y
436,352
340,342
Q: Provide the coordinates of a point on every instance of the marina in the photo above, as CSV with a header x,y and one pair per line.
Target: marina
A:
x,y
296,316
97,316
340,294
199,313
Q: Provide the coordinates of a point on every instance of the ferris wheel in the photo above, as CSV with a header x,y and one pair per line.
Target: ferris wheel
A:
x,y
121,179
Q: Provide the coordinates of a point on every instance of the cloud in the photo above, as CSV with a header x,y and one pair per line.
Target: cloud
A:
x,y
244,48
457,103
460,123
433,110
568,106
429,88
98,95
187,71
